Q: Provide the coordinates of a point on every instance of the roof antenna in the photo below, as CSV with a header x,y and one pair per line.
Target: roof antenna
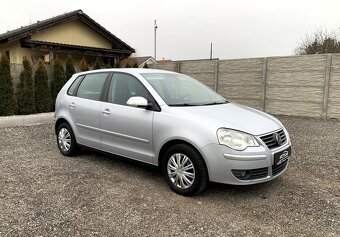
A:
x,y
29,14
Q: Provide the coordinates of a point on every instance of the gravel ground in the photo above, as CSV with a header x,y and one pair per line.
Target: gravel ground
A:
x,y
43,193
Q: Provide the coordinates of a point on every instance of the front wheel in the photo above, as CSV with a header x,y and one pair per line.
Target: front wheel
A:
x,y
66,140
184,170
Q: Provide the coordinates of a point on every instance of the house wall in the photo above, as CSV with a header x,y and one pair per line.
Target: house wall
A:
x,y
150,62
16,53
296,85
75,33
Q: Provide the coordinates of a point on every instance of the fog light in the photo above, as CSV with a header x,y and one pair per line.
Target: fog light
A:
x,y
243,174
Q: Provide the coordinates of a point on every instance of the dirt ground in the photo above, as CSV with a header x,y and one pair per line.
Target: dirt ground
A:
x,y
43,193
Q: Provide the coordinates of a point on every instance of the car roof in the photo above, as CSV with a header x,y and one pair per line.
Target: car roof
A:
x,y
127,70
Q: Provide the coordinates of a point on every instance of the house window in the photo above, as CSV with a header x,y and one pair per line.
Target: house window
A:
x,y
7,54
47,58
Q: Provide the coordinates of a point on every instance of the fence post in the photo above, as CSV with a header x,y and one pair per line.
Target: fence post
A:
x,y
264,84
217,65
178,66
326,85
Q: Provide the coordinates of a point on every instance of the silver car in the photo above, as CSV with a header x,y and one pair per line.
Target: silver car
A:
x,y
172,121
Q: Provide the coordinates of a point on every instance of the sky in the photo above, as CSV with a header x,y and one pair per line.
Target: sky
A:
x,y
237,29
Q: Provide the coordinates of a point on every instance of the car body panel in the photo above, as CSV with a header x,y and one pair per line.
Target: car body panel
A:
x,y
140,134
85,115
127,131
220,167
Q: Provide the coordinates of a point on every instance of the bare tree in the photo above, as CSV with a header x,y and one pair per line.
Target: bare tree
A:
x,y
319,42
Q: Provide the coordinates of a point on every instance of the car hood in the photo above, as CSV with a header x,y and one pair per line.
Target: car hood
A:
x,y
232,115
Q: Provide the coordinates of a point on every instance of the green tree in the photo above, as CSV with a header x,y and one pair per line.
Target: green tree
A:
x,y
41,89
83,65
70,70
135,65
7,101
25,90
145,66
117,63
127,66
320,42
97,64
58,79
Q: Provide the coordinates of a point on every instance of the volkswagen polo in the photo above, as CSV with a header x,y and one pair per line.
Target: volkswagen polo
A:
x,y
173,121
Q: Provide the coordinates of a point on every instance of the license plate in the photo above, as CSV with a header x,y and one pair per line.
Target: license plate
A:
x,y
282,156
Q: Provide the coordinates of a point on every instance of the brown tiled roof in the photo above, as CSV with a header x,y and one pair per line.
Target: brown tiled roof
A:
x,y
26,31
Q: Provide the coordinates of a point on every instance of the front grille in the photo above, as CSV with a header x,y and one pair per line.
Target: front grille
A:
x,y
250,174
270,139
276,169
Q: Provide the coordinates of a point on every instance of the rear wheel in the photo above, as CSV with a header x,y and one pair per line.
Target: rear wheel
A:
x,y
184,170
66,140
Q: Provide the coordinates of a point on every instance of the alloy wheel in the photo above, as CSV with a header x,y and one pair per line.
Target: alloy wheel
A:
x,y
64,139
181,171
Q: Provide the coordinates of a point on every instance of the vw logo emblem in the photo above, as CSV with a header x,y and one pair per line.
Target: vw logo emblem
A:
x,y
277,138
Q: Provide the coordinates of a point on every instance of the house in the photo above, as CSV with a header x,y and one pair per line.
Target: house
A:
x,y
140,61
73,33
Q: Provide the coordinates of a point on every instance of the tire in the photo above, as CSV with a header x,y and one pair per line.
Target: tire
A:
x,y
186,181
65,140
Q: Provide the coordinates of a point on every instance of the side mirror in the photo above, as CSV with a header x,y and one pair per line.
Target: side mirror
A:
x,y
139,102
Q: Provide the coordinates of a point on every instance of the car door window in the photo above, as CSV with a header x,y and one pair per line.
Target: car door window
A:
x,y
91,86
123,87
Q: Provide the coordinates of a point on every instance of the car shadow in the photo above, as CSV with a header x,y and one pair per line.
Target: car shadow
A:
x,y
130,167
260,189
115,160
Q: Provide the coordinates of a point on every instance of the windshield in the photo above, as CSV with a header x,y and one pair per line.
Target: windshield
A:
x,y
182,90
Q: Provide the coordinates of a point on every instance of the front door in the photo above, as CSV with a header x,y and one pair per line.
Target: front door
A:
x,y
125,130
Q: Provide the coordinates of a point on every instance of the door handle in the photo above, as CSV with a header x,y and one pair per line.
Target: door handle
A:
x,y
72,105
106,111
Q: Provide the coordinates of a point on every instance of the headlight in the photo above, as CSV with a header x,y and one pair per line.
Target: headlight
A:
x,y
235,139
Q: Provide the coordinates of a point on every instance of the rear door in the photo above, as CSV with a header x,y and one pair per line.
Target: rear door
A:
x,y
126,130
84,109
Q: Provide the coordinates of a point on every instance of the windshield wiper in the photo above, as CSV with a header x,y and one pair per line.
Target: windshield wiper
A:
x,y
216,103
188,104
185,104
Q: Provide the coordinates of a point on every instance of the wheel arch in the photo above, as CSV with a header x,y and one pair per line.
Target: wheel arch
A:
x,y
63,120
173,142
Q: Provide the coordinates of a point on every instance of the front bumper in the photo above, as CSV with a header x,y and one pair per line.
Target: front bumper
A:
x,y
226,165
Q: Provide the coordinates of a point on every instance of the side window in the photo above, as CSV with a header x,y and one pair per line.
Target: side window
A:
x,y
91,86
124,86
73,87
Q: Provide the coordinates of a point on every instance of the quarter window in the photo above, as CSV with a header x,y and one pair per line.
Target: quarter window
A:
x,y
91,86
123,87
74,85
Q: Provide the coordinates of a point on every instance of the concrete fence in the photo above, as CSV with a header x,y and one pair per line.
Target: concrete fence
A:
x,y
296,85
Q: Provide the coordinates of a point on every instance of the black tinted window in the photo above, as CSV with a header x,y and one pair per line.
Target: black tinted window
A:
x,y
124,86
91,86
